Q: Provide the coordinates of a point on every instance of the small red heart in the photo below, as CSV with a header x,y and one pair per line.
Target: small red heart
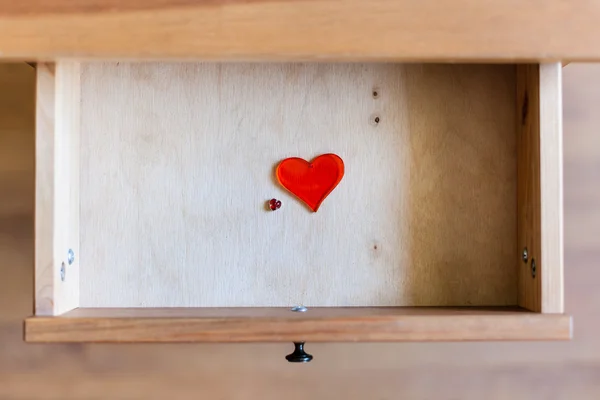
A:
x,y
311,182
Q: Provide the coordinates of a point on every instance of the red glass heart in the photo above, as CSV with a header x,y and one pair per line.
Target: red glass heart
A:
x,y
311,181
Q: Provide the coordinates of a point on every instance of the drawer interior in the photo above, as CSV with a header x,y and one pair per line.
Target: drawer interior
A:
x,y
153,182
178,161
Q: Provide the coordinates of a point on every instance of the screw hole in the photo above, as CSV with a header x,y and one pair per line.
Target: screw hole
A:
x,y
375,93
375,120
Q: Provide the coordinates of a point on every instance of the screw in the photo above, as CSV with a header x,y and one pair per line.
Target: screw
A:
x,y
299,309
525,255
70,256
533,267
62,271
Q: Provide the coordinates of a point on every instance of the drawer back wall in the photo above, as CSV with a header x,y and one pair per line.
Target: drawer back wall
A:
x,y
177,163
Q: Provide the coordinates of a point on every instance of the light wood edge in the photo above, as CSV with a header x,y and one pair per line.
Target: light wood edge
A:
x,y
462,30
57,187
539,192
285,312
516,325
551,185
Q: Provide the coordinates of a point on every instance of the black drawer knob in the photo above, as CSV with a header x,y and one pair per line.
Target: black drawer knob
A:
x,y
299,355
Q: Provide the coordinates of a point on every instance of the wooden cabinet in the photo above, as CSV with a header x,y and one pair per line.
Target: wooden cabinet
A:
x,y
156,153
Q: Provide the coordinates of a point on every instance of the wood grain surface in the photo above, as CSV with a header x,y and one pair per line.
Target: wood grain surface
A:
x,y
57,187
564,370
540,188
408,30
328,324
173,190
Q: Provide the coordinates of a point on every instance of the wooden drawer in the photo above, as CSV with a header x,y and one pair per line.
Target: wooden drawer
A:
x,y
152,181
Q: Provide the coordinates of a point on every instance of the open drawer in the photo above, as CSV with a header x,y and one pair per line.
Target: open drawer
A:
x,y
152,182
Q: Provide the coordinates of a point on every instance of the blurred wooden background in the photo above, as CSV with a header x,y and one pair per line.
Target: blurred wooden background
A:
x,y
564,370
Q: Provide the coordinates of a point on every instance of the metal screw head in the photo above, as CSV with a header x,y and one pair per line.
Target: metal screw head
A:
x,y
70,256
299,309
533,267
525,255
62,271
